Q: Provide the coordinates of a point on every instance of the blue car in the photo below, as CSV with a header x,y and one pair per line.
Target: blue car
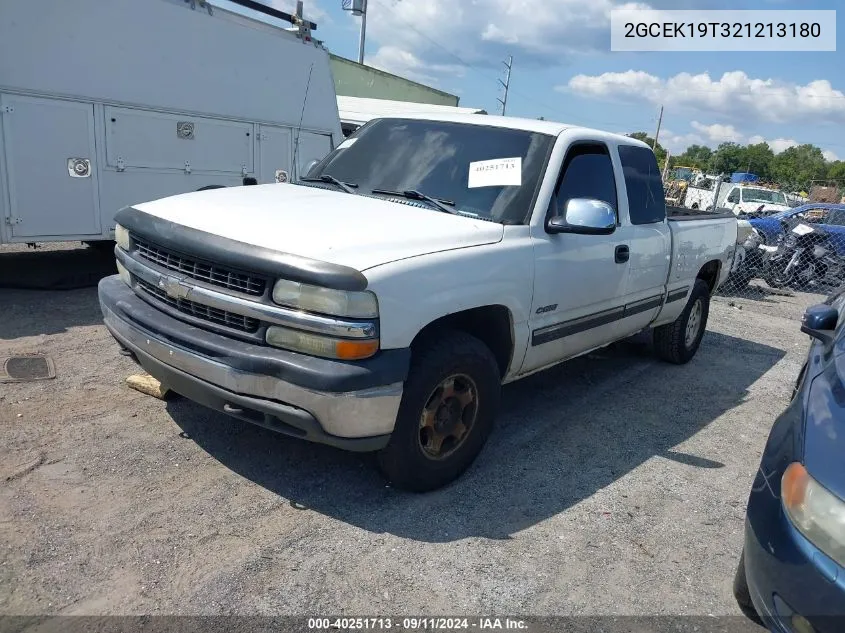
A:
x,y
791,574
829,216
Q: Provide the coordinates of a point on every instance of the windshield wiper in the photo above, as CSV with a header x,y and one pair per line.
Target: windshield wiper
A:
x,y
412,194
346,186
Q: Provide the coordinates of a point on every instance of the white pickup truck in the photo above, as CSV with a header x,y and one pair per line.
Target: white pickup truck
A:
x,y
381,302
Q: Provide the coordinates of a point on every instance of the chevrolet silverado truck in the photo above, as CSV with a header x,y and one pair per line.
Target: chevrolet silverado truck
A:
x,y
381,302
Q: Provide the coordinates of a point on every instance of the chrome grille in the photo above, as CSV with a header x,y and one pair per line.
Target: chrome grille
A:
x,y
200,311
209,273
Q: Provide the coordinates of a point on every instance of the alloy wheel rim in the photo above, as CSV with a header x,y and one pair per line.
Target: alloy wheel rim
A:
x,y
448,417
693,324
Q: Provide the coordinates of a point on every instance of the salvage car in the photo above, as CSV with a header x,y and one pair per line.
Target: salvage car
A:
x,y
791,573
830,216
381,302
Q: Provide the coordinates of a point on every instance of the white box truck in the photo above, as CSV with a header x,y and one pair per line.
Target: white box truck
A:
x,y
107,104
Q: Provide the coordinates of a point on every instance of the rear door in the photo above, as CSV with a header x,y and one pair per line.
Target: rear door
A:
x,y
50,164
579,281
648,237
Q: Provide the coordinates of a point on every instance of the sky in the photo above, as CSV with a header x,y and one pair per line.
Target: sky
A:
x,y
563,68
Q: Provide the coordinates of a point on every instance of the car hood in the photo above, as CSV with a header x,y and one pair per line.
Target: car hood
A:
x,y
824,431
745,207
346,229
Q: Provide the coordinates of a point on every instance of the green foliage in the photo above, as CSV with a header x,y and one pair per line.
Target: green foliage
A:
x,y
793,169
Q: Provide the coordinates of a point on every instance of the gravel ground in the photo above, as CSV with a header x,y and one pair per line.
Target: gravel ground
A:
x,y
613,484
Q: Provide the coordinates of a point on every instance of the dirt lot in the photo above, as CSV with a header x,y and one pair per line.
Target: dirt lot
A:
x,y
613,485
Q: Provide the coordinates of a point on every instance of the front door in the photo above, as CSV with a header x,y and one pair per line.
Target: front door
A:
x,y
579,280
51,167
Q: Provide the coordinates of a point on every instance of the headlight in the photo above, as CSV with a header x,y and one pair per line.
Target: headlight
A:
x,y
325,300
818,514
317,345
121,236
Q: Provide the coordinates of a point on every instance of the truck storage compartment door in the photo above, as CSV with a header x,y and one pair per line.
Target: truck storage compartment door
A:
x,y
275,154
51,167
164,141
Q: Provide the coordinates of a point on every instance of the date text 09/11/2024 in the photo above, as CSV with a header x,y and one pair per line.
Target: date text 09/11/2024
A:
x,y
414,624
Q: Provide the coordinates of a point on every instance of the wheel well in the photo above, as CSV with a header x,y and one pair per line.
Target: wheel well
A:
x,y
710,273
492,325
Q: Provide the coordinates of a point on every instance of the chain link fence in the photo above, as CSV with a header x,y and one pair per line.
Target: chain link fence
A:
x,y
787,261
791,250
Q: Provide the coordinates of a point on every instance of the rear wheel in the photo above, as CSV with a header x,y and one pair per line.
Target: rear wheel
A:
x,y
677,342
448,405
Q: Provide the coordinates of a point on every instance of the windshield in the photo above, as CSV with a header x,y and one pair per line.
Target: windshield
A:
x,y
489,172
763,195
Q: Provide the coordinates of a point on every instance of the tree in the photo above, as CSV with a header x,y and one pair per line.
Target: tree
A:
x,y
659,151
836,171
728,158
698,156
758,160
795,167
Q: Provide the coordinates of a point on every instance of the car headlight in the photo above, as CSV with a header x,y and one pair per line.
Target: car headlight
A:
x,y
319,345
121,236
817,513
344,303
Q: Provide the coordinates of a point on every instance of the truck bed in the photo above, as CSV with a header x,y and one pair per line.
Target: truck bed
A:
x,y
683,213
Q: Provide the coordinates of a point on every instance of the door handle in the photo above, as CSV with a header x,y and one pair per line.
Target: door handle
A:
x,y
621,254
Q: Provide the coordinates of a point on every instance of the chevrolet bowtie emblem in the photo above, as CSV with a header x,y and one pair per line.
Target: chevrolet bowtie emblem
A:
x,y
173,287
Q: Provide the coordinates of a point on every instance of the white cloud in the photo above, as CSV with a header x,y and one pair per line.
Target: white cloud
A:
x,y
718,133
735,94
395,60
677,143
483,32
829,156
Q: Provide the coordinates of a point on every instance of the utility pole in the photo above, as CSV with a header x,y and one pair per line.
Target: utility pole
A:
x,y
358,7
656,134
506,84
363,32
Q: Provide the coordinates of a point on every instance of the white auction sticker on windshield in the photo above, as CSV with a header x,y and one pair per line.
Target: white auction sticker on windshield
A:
x,y
500,172
348,143
803,229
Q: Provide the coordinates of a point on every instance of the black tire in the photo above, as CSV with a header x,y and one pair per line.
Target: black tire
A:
x,y
776,277
670,340
742,593
405,462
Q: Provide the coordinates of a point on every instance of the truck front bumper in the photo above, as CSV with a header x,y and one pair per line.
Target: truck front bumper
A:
x,y
348,405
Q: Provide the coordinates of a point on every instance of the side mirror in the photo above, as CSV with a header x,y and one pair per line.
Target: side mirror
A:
x,y
310,166
584,216
820,322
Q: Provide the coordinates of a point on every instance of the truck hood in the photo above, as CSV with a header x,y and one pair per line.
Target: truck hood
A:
x,y
747,207
350,230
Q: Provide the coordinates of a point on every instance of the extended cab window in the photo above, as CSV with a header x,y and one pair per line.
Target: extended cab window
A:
x,y
587,173
734,196
646,204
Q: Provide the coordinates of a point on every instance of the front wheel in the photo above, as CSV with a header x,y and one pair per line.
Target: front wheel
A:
x,y
448,405
776,275
742,594
677,342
